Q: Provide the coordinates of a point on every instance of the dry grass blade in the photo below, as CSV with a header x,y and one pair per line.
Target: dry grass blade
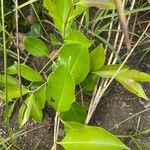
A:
x,y
123,22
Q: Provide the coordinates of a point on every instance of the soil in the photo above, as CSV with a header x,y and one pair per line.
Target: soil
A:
x,y
113,109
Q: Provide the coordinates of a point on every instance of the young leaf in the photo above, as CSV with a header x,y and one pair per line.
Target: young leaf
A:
x,y
97,58
132,86
108,71
101,4
61,89
136,75
39,104
76,113
14,92
36,47
78,37
79,65
25,109
88,138
89,83
10,80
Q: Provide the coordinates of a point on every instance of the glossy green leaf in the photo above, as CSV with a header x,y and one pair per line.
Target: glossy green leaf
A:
x,y
78,37
108,71
79,65
8,112
88,138
25,109
136,75
61,89
10,80
89,83
132,86
101,4
36,46
97,58
39,104
14,92
76,113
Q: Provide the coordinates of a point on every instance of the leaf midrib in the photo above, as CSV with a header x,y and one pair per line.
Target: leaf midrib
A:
x,y
60,101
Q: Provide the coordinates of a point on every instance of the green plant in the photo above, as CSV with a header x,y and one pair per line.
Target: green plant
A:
x,y
75,65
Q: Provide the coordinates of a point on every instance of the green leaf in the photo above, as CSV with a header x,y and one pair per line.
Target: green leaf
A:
x,y
79,65
108,71
28,73
132,86
97,58
25,109
76,113
14,92
8,112
12,69
78,37
36,112
72,126
36,47
89,83
54,40
136,75
36,29
10,80
60,10
79,9
63,13
61,89
101,4
88,138
2,99
40,97
51,7
39,104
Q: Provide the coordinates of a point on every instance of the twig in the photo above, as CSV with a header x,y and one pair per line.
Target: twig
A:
x,y
56,131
